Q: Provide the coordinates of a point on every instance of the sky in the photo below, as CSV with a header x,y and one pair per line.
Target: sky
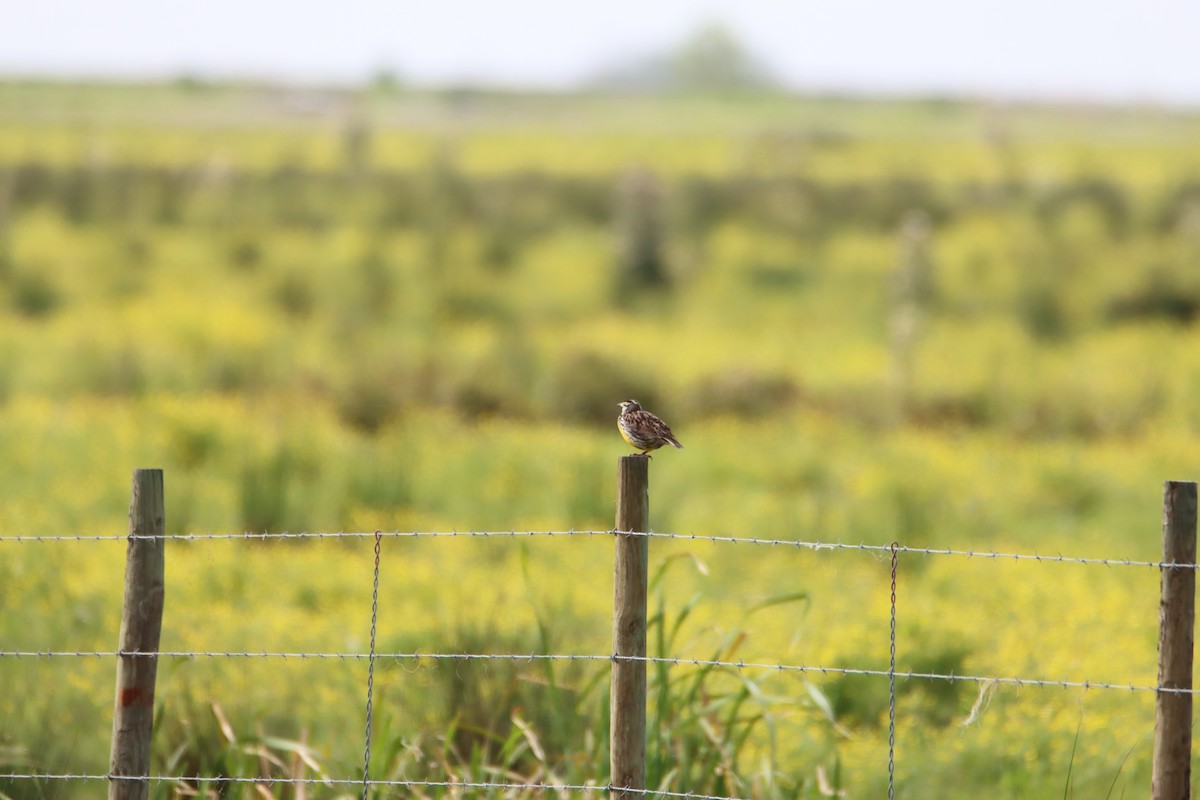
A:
x,y
1143,51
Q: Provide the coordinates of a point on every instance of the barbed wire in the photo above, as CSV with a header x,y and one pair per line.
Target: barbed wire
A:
x,y
676,661
882,550
324,781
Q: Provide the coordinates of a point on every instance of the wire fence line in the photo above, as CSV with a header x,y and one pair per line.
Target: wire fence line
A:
x,y
882,550
374,782
816,669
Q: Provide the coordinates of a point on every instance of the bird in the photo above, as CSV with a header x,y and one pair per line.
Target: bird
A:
x,y
642,429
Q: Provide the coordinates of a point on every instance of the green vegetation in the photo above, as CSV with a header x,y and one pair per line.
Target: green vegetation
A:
x,y
330,310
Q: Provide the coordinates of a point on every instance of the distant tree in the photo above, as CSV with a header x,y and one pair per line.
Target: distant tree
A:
x,y
710,60
191,82
713,59
387,81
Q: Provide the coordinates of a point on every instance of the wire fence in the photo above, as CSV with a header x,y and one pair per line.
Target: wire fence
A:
x,y
887,554
382,783
882,550
807,669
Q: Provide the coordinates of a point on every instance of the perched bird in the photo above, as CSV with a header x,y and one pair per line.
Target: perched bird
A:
x,y
642,429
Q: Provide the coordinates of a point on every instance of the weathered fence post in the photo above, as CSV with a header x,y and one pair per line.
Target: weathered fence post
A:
x,y
1172,770
141,625
627,739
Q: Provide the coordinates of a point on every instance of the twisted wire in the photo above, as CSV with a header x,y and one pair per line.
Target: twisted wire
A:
x,y
892,683
371,670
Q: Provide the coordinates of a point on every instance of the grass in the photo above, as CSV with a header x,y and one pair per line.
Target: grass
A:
x,y
423,336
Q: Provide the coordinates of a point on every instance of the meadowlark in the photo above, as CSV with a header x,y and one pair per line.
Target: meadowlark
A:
x,y
642,429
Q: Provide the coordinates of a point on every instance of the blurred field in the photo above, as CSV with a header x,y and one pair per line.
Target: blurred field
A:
x,y
329,310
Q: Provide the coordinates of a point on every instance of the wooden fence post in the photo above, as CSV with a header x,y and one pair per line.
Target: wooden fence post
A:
x,y
627,738
141,626
1172,770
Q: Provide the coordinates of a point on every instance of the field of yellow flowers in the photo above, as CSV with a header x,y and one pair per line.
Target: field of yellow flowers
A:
x,y
416,312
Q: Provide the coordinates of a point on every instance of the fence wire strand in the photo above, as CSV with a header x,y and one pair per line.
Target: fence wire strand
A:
x,y
385,783
674,661
882,550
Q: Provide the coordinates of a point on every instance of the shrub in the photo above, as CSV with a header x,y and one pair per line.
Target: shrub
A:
x,y
641,240
373,396
34,292
586,387
294,294
1103,196
743,393
1163,294
245,252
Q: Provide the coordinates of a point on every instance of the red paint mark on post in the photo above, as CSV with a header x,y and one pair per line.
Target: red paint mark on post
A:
x,y
130,695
